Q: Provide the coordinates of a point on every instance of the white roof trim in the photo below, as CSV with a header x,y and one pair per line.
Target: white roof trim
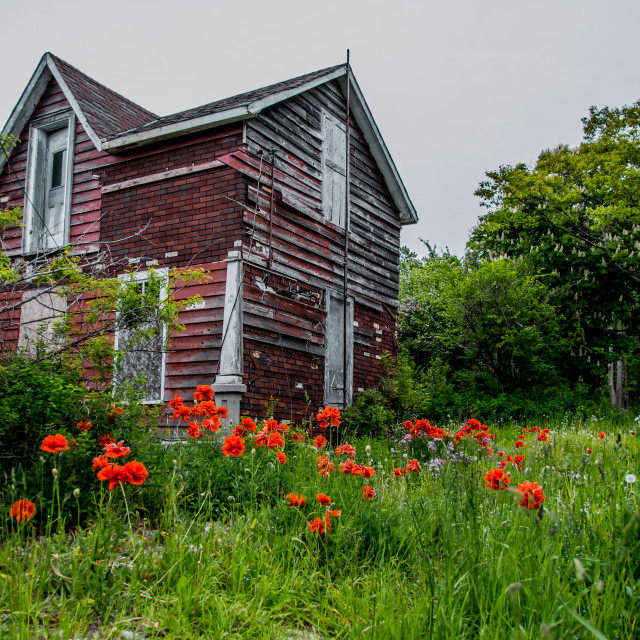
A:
x,y
364,118
179,128
27,103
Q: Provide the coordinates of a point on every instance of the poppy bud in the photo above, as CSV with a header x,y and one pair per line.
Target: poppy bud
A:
x,y
54,473
76,493
368,448
175,463
253,452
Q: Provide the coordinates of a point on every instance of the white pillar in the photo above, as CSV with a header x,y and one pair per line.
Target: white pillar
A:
x,y
228,387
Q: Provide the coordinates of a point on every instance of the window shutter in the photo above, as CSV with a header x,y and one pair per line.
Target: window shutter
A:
x,y
334,140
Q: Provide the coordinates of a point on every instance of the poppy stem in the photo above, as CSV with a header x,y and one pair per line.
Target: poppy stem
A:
x,y
126,506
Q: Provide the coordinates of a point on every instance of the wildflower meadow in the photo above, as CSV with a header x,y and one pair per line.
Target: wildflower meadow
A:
x,y
269,529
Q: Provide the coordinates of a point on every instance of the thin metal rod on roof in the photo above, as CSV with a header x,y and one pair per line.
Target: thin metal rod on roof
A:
x,y
347,205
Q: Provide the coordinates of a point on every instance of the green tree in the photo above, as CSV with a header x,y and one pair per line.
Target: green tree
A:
x,y
480,328
575,218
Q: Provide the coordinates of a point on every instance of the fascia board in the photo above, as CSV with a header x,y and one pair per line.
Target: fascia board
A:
x,y
25,106
364,118
216,119
177,129
74,103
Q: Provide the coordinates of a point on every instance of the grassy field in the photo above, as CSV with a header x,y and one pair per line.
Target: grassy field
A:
x,y
435,553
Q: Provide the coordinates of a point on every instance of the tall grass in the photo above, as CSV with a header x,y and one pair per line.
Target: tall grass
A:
x,y
434,555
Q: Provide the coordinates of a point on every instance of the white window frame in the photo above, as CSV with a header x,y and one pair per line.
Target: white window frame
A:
x,y
334,175
36,178
141,276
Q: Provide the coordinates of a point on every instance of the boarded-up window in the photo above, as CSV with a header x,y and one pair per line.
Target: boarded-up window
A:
x,y
141,338
40,311
49,178
334,349
334,172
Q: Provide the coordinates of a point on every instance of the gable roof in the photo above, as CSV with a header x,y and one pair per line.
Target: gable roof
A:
x,y
102,112
114,123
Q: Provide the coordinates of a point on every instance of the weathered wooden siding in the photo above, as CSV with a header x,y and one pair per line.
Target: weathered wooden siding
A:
x,y
293,128
86,195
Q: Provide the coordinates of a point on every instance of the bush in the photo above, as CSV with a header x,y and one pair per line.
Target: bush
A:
x,y
402,395
46,397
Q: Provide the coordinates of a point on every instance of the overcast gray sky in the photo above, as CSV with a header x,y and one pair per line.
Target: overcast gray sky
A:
x,y
457,87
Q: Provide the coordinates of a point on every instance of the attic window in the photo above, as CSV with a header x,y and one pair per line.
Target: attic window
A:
x,y
334,169
49,183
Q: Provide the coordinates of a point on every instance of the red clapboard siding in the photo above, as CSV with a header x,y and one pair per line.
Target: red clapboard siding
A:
x,y
9,320
194,353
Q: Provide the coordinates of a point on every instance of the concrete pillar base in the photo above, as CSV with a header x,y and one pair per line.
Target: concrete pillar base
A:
x,y
229,396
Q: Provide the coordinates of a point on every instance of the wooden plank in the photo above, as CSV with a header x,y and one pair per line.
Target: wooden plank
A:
x,y
165,175
286,342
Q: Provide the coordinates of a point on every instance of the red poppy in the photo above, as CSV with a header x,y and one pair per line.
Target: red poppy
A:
x,y
489,452
325,467
282,458
176,402
532,495
270,426
543,437
233,446
22,510
368,493
203,392
519,443
497,479
54,444
261,440
517,461
367,472
182,412
413,465
212,424
115,474
589,451
502,463
346,448
329,415
84,425
297,438
137,472
349,467
319,442
105,440
398,473
296,501
194,431
275,440
601,435
207,408
113,450
100,462
316,526
327,518
323,499
115,411
248,424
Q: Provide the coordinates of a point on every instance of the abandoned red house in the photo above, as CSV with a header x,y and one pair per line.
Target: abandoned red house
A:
x,y
303,288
